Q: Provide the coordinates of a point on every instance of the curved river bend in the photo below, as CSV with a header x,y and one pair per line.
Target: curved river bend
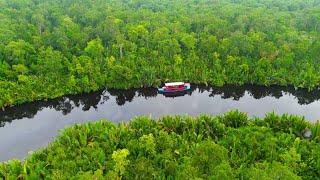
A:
x,y
30,126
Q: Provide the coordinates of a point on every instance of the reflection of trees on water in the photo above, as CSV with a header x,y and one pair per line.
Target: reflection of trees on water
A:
x,y
91,100
65,105
303,96
123,96
237,92
88,100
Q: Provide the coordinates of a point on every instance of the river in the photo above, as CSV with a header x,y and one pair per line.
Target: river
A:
x,y
31,126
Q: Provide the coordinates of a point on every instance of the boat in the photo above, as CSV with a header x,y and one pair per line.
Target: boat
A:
x,y
174,87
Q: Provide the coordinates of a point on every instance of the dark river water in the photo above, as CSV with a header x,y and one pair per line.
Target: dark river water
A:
x,y
30,126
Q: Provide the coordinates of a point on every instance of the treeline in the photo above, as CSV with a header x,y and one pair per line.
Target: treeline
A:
x,y
230,146
50,48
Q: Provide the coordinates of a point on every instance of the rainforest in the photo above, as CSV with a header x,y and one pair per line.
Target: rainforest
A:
x,y
229,146
51,48
64,63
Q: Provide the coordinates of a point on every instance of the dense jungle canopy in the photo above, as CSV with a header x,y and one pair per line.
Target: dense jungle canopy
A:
x,y
227,147
49,48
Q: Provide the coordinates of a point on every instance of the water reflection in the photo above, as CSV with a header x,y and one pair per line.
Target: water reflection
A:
x,y
65,105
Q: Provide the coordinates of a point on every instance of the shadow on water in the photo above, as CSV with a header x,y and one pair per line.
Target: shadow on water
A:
x,y
66,104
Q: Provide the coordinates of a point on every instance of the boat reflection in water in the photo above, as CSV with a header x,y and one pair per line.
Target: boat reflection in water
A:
x,y
177,94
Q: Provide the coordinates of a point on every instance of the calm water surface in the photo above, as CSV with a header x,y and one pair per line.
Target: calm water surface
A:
x,y
30,126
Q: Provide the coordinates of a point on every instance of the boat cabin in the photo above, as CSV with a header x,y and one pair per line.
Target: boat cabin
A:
x,y
174,85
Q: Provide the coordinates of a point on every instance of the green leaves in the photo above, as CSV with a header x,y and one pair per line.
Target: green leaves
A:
x,y
73,47
235,119
269,171
95,49
69,47
230,146
120,161
286,123
147,144
19,52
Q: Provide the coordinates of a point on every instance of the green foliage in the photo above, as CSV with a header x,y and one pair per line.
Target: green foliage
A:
x,y
235,119
269,171
120,161
51,48
315,130
286,123
176,147
95,48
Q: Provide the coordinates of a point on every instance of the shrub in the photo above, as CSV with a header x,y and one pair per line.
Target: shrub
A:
x,y
176,147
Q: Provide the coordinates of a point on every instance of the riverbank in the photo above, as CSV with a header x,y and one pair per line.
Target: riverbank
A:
x,y
38,89
179,147
69,49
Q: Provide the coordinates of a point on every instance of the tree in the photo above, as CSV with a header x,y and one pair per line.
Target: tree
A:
x,y
95,49
188,41
50,63
19,52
